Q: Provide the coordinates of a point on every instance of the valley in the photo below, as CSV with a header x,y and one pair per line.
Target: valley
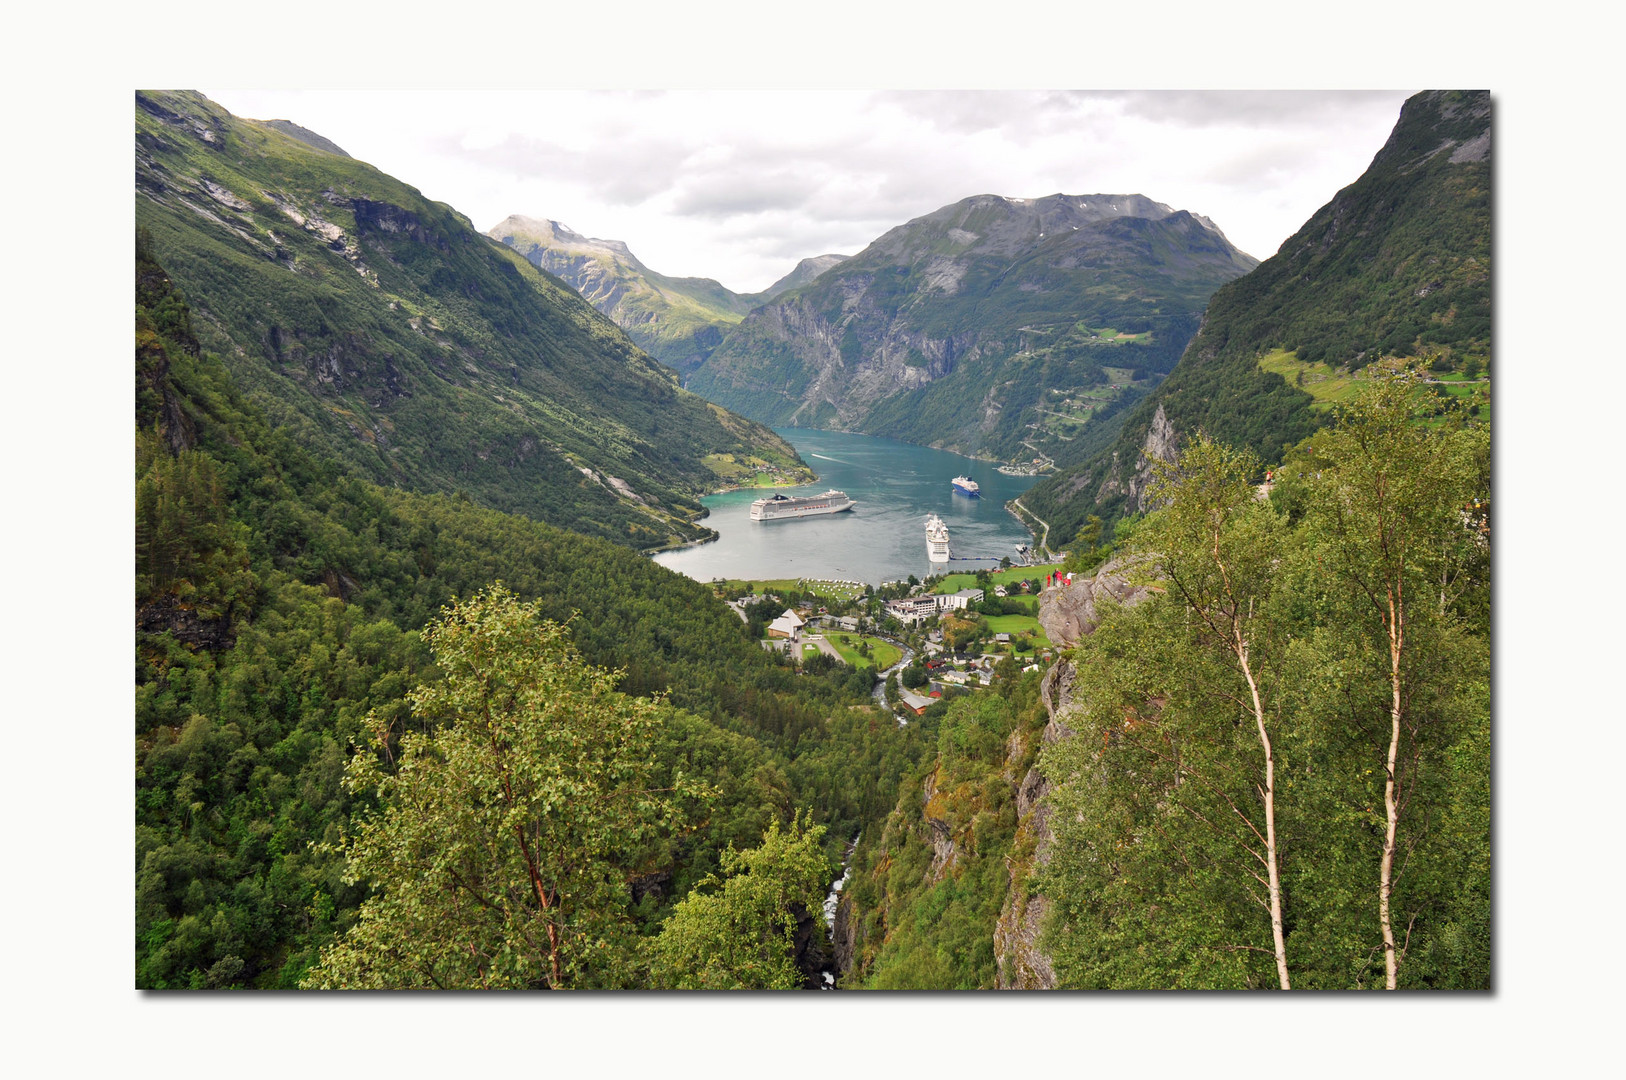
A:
x,y
460,662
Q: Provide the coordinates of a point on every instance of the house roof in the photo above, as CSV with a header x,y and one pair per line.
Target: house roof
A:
x,y
914,700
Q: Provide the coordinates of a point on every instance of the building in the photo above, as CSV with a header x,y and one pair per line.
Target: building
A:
x,y
914,702
962,599
914,609
788,625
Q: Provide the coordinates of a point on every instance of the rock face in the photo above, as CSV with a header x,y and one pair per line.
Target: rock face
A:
x,y
1068,613
969,326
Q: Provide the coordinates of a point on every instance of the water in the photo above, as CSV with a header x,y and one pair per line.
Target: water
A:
x,y
883,538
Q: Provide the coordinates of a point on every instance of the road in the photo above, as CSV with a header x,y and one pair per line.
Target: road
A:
x,y
1044,545
908,655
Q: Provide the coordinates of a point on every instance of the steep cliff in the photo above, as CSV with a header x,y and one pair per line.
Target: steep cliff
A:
x,y
1067,613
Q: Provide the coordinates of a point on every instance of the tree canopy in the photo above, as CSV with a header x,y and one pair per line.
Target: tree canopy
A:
x,y
510,824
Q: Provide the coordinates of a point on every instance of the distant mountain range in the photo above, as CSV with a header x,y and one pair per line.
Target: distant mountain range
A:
x,y
381,329
1397,263
679,321
995,326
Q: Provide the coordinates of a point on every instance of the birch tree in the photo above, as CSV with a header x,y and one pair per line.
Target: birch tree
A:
x,y
1170,800
1396,518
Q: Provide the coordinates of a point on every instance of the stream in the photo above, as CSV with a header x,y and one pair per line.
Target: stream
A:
x,y
830,904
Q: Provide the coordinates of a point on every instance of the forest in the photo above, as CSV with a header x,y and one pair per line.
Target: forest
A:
x,y
287,613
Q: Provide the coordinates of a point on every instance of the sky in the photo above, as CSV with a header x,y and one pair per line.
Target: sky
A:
x,y
739,184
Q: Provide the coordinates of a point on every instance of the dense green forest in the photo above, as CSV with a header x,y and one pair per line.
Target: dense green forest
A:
x,y
281,604
1396,264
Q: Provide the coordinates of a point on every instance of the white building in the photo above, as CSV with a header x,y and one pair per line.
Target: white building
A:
x,y
788,625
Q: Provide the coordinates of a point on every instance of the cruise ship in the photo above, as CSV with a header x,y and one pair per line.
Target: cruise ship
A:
x,y
787,506
937,542
967,486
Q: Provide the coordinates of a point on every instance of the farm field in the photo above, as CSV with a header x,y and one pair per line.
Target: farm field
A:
x,y
1321,382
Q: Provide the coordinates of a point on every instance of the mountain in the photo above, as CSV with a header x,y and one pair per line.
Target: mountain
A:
x,y
382,330
805,271
1398,263
679,321
994,326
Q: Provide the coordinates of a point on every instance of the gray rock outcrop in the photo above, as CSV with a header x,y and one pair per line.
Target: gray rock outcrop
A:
x,y
1069,612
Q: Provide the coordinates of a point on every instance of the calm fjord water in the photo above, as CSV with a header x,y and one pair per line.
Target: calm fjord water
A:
x,y
882,538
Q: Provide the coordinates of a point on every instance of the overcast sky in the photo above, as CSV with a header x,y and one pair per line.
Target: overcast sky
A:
x,y
738,185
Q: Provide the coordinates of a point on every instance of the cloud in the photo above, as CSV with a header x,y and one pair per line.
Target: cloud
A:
x,y
739,185
1249,108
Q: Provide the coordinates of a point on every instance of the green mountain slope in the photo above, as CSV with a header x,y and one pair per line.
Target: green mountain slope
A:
x,y
381,328
1398,263
999,327
679,321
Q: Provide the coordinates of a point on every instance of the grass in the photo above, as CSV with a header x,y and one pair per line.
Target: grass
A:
x,y
1321,382
953,583
1015,625
829,590
883,655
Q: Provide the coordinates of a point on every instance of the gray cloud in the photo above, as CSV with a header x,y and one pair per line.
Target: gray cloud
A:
x,y
1253,108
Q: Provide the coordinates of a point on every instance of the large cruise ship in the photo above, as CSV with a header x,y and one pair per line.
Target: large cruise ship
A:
x,y
788,506
967,486
937,542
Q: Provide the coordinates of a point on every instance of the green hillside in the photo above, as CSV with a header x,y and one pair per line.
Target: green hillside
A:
x,y
1396,264
379,327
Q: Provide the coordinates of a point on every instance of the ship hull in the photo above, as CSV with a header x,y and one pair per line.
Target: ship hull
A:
x,y
937,540
781,507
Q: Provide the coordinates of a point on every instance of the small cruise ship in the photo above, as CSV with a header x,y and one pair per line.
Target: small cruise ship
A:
x,y
964,485
788,506
937,540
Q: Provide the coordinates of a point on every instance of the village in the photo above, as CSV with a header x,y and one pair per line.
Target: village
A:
x,y
922,642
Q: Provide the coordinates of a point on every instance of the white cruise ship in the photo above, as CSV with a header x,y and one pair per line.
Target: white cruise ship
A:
x,y
937,542
788,506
